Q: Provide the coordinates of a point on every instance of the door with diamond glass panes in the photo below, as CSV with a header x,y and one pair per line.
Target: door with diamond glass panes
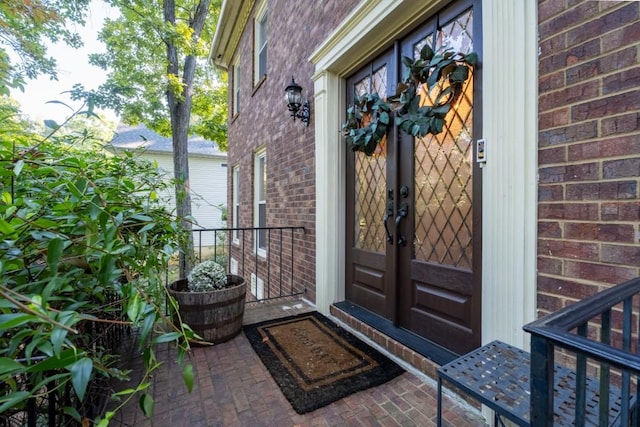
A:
x,y
413,207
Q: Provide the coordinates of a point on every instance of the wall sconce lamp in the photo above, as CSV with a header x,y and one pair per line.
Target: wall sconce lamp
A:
x,y
294,102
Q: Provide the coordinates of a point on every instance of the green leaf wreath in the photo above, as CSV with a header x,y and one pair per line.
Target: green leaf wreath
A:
x,y
362,137
369,117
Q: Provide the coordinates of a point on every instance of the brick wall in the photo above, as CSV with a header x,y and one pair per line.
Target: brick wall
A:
x,y
295,29
589,148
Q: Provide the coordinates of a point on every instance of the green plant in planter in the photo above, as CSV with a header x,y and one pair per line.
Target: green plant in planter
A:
x,y
210,301
368,118
207,276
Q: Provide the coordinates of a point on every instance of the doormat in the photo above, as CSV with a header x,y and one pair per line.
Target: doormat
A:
x,y
315,362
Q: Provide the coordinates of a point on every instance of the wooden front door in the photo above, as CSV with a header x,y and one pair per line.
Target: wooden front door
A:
x,y
413,207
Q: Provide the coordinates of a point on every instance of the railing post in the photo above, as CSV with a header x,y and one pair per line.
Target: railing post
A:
x,y
292,261
635,417
581,381
215,245
243,251
52,404
280,268
268,260
605,371
32,412
627,308
541,409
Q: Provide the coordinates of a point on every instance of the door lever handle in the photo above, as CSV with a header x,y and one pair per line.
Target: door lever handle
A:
x,y
403,211
385,219
388,214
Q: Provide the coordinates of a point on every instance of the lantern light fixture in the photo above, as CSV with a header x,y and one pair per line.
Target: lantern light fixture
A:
x,y
294,102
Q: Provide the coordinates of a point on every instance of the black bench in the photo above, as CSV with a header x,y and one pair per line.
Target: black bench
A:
x,y
497,375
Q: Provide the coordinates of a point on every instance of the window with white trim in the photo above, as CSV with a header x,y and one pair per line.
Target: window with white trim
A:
x,y
235,85
260,201
260,43
235,177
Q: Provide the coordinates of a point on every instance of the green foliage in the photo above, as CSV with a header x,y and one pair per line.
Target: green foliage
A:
x,y
10,118
156,53
207,276
83,126
138,81
84,240
443,72
361,136
24,27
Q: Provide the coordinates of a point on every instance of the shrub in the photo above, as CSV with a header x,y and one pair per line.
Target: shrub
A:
x,y
207,276
84,240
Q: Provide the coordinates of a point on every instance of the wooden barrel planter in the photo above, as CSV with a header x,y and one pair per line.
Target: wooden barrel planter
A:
x,y
215,315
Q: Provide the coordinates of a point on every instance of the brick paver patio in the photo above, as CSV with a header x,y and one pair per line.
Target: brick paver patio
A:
x,y
233,388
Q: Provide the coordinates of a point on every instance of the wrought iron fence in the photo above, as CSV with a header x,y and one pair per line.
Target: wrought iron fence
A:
x,y
53,403
599,336
268,258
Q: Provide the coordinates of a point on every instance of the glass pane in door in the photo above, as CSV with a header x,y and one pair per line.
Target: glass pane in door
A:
x,y
371,180
443,170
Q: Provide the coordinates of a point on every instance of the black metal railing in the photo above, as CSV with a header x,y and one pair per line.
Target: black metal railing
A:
x,y
599,334
52,401
268,258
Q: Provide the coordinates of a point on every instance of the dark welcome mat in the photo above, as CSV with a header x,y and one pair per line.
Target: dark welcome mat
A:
x,y
315,362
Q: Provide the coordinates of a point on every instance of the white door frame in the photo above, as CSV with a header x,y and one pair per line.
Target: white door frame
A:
x,y
509,108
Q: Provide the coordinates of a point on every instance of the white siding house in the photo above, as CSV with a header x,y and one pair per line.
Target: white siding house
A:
x,y
207,171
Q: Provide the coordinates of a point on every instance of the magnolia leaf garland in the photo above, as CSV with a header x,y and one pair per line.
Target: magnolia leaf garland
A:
x,y
361,137
368,118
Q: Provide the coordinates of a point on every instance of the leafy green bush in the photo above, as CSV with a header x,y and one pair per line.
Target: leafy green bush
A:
x,y
84,244
207,276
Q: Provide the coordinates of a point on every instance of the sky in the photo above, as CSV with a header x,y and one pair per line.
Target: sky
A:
x,y
73,67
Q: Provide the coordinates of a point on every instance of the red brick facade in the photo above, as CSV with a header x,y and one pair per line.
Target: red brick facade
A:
x,y
295,29
588,153
589,148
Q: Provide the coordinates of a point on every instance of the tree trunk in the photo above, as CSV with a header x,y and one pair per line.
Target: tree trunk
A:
x,y
180,112
180,129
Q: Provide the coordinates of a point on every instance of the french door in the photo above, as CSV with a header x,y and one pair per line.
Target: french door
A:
x,y
413,207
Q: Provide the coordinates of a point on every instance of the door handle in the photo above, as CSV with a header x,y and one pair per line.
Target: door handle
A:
x,y
386,227
388,214
403,211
